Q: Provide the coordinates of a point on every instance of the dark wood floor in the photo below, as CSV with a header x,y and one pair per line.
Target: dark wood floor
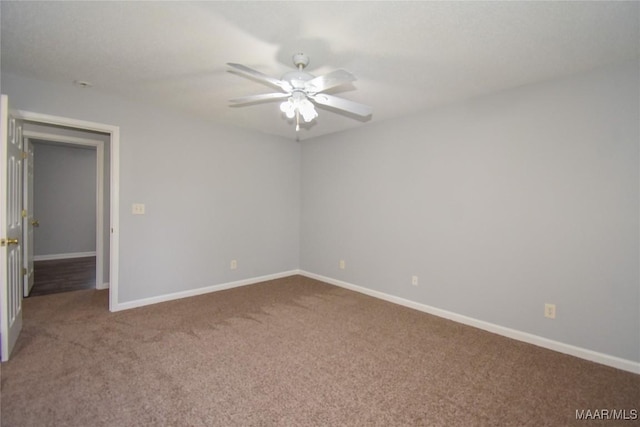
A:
x,y
64,275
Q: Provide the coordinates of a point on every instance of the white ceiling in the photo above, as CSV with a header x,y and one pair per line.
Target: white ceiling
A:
x,y
407,56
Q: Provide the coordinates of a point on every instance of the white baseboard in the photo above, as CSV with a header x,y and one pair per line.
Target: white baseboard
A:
x,y
102,286
593,356
200,291
63,256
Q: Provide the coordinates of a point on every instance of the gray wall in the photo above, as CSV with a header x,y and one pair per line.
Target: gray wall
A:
x,y
499,205
64,203
212,193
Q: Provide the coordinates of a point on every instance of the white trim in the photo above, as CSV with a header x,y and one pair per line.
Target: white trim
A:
x,y
583,353
44,137
103,286
114,258
70,255
114,132
100,213
199,291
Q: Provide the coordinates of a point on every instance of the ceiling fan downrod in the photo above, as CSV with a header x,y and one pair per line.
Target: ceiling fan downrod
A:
x,y
300,60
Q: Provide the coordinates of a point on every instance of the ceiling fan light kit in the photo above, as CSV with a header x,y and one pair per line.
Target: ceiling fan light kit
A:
x,y
298,105
302,90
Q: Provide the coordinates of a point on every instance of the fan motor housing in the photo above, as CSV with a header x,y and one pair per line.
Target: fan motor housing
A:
x,y
297,78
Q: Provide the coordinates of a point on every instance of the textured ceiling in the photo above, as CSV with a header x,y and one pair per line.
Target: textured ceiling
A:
x,y
407,56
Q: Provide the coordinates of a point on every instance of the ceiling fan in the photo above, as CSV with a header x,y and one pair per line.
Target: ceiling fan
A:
x,y
302,90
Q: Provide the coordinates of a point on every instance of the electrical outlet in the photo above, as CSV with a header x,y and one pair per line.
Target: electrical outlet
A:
x,y
137,209
342,264
550,311
234,264
414,280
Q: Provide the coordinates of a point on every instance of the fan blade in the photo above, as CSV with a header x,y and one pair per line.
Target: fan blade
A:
x,y
328,81
342,104
258,98
285,86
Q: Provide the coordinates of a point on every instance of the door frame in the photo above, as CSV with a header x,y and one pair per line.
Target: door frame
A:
x,y
114,190
28,223
99,146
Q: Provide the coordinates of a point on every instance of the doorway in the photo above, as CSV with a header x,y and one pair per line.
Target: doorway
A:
x,y
105,140
66,201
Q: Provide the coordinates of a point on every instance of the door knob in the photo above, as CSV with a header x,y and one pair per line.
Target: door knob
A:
x,y
35,223
9,242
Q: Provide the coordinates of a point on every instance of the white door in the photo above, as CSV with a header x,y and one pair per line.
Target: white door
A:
x,y
10,230
29,222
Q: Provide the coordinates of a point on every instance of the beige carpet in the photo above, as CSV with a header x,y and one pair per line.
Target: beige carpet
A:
x,y
291,352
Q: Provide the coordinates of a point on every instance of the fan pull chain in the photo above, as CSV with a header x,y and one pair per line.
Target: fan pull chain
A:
x,y
297,120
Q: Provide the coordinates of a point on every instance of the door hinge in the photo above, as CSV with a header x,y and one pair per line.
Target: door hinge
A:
x,y
24,271
24,213
25,155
